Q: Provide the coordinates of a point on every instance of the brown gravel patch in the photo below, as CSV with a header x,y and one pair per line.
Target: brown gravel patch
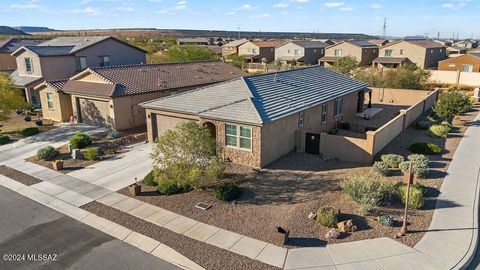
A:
x,y
207,256
18,176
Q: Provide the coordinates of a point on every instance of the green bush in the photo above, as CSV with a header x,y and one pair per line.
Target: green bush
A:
x,y
425,148
385,220
27,132
327,217
91,153
418,158
381,167
80,140
109,152
452,103
149,179
167,187
47,153
112,135
4,139
367,189
439,131
418,168
416,199
392,160
227,192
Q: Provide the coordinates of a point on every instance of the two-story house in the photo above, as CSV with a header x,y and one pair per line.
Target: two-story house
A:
x,y
465,63
424,53
231,48
302,51
8,46
363,51
259,51
63,57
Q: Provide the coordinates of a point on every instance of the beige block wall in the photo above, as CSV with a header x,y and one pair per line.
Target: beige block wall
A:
x,y
7,62
345,148
62,105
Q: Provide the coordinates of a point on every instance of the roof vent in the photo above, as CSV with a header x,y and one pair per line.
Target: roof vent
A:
x,y
275,77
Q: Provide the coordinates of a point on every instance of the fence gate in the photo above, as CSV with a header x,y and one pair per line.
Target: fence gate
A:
x,y
312,143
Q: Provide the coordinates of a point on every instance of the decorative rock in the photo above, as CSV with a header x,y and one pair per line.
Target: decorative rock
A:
x,y
332,234
312,216
77,154
69,148
346,226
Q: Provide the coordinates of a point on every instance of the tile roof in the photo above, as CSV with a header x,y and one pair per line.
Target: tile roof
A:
x,y
57,85
12,44
139,79
390,60
310,44
263,98
89,88
236,43
270,43
426,43
330,58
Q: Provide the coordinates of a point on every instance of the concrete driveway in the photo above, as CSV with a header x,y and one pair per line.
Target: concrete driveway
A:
x,y
28,227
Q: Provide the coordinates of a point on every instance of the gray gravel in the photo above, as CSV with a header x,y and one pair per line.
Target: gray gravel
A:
x,y
19,176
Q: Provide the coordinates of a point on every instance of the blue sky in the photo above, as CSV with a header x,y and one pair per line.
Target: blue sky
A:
x,y
404,17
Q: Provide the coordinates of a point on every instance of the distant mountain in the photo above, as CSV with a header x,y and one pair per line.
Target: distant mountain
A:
x,y
34,29
6,30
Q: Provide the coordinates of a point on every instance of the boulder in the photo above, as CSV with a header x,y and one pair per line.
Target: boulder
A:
x,y
332,234
346,226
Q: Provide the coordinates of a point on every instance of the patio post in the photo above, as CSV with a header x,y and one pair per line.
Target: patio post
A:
x,y
369,99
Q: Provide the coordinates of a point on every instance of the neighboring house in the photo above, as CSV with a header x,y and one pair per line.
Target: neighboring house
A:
x,y
469,44
259,51
424,53
109,96
379,42
326,41
257,119
62,57
232,47
443,42
363,51
454,51
8,46
193,41
302,51
466,63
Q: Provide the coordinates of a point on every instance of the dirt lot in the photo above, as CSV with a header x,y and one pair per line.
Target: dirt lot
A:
x,y
287,191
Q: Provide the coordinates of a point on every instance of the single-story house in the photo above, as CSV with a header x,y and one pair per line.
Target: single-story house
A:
x,y
258,119
109,96
193,41
464,62
232,47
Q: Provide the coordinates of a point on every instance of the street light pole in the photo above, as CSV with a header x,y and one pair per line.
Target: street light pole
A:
x,y
409,178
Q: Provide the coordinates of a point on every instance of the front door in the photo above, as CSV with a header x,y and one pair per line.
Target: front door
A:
x,y
312,143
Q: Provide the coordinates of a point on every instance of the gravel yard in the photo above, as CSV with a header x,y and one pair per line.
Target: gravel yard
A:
x,y
287,191
19,176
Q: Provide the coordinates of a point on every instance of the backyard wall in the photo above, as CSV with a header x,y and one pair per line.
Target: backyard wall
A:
x,y
407,97
344,148
455,77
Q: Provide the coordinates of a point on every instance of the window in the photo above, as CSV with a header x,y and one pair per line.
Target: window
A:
x,y
467,68
254,50
300,119
238,136
388,52
401,52
289,51
431,51
321,50
296,52
28,65
314,50
451,65
338,52
337,107
80,63
104,61
324,112
50,100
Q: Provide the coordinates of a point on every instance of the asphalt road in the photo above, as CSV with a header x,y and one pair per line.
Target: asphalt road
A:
x,y
28,229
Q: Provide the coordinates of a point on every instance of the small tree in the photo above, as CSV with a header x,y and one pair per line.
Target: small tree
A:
x,y
406,77
10,98
345,64
236,60
371,76
452,103
187,156
189,53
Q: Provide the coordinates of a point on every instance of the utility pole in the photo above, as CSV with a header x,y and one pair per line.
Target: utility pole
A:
x,y
384,28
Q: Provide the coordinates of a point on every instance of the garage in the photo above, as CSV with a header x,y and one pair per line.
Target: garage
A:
x,y
162,123
93,112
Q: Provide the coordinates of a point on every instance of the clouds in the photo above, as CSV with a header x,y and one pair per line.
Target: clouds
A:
x,y
180,6
281,5
244,7
338,5
90,11
262,16
26,5
375,6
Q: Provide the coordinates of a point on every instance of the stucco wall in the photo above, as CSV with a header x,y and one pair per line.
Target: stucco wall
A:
x,y
7,62
310,55
456,63
398,96
246,48
20,59
62,105
455,77
412,113
420,56
58,67
347,50
344,148
119,53
368,54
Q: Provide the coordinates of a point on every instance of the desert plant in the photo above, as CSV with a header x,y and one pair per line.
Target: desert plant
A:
x,y
91,153
47,153
420,169
418,158
149,179
425,148
80,140
367,189
168,187
392,160
381,167
452,103
4,139
327,217
27,132
415,200
439,131
109,152
112,135
385,220
227,192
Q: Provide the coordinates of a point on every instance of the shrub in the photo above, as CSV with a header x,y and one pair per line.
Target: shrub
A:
x,y
227,192
91,153
344,125
418,168
439,131
367,189
47,153
4,139
385,220
112,135
381,167
109,152
416,199
27,132
149,179
80,140
167,187
327,217
425,148
392,160
452,103
418,158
